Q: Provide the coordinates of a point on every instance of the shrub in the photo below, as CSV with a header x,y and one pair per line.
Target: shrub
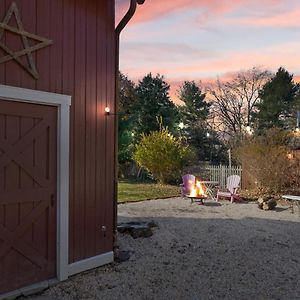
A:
x,y
266,159
162,155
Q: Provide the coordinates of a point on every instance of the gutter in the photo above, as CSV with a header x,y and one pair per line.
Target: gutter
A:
x,y
123,23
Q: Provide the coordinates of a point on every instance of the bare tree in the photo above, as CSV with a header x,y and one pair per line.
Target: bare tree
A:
x,y
234,101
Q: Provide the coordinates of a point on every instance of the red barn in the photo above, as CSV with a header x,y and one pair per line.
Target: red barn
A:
x,y
58,63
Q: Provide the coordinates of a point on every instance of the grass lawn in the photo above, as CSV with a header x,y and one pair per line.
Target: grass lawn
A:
x,y
131,192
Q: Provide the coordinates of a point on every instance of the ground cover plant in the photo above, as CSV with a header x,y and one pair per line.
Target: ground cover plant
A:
x,y
132,192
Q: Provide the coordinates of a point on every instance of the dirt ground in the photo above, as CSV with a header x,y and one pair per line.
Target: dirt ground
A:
x,y
211,251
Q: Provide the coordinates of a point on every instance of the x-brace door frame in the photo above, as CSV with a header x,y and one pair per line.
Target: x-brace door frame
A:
x,y
63,103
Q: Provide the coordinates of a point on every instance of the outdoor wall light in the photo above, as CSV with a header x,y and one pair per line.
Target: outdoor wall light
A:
x,y
107,111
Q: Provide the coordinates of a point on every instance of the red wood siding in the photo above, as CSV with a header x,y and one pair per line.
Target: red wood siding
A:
x,y
28,143
80,63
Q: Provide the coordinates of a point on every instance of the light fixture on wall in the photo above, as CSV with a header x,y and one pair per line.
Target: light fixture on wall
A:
x,y
107,111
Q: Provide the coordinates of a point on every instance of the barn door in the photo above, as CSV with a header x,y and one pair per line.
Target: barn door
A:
x,y
28,150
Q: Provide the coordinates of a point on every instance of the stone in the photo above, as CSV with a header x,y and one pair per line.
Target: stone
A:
x,y
122,256
137,229
152,224
122,228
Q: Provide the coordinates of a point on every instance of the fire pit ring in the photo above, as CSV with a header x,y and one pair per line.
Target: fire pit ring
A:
x,y
196,198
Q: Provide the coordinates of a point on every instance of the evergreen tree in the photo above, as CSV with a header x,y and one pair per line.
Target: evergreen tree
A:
x,y
278,102
154,102
195,107
127,94
194,113
126,118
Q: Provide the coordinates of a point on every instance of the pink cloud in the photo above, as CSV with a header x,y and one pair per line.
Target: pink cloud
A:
x,y
287,19
175,52
153,10
156,9
273,57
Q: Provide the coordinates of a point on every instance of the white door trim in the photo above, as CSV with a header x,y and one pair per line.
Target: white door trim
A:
x,y
62,102
91,263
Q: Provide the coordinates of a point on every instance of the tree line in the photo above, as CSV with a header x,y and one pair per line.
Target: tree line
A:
x,y
211,116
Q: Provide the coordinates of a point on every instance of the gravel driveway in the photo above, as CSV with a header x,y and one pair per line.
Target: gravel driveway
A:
x,y
211,251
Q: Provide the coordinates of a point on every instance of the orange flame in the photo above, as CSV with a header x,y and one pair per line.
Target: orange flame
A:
x,y
198,190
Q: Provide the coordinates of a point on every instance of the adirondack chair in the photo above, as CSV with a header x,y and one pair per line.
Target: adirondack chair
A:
x,y
232,186
189,182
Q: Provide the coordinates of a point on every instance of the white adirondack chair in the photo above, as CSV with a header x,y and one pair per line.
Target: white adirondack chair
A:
x,y
232,186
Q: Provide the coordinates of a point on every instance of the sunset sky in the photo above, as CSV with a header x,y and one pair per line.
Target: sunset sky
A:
x,y
206,39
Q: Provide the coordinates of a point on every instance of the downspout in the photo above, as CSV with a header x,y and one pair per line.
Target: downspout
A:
x,y
128,16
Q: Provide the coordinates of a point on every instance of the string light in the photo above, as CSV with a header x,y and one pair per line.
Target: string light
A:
x,y
249,130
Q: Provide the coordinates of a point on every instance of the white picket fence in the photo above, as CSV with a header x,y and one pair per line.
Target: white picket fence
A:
x,y
215,173
220,173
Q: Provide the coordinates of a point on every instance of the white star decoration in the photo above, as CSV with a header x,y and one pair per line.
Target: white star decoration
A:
x,y
19,30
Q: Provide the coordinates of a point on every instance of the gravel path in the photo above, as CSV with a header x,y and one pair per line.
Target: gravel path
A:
x,y
215,251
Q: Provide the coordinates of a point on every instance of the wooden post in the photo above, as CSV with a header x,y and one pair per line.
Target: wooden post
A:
x,y
229,158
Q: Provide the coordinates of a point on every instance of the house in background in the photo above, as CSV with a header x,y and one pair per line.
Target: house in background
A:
x,y
58,62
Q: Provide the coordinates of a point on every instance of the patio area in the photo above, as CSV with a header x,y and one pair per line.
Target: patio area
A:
x,y
211,251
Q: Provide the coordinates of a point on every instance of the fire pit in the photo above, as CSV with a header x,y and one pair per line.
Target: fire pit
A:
x,y
197,193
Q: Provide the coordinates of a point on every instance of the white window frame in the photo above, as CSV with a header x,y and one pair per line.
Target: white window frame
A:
x,y
63,103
